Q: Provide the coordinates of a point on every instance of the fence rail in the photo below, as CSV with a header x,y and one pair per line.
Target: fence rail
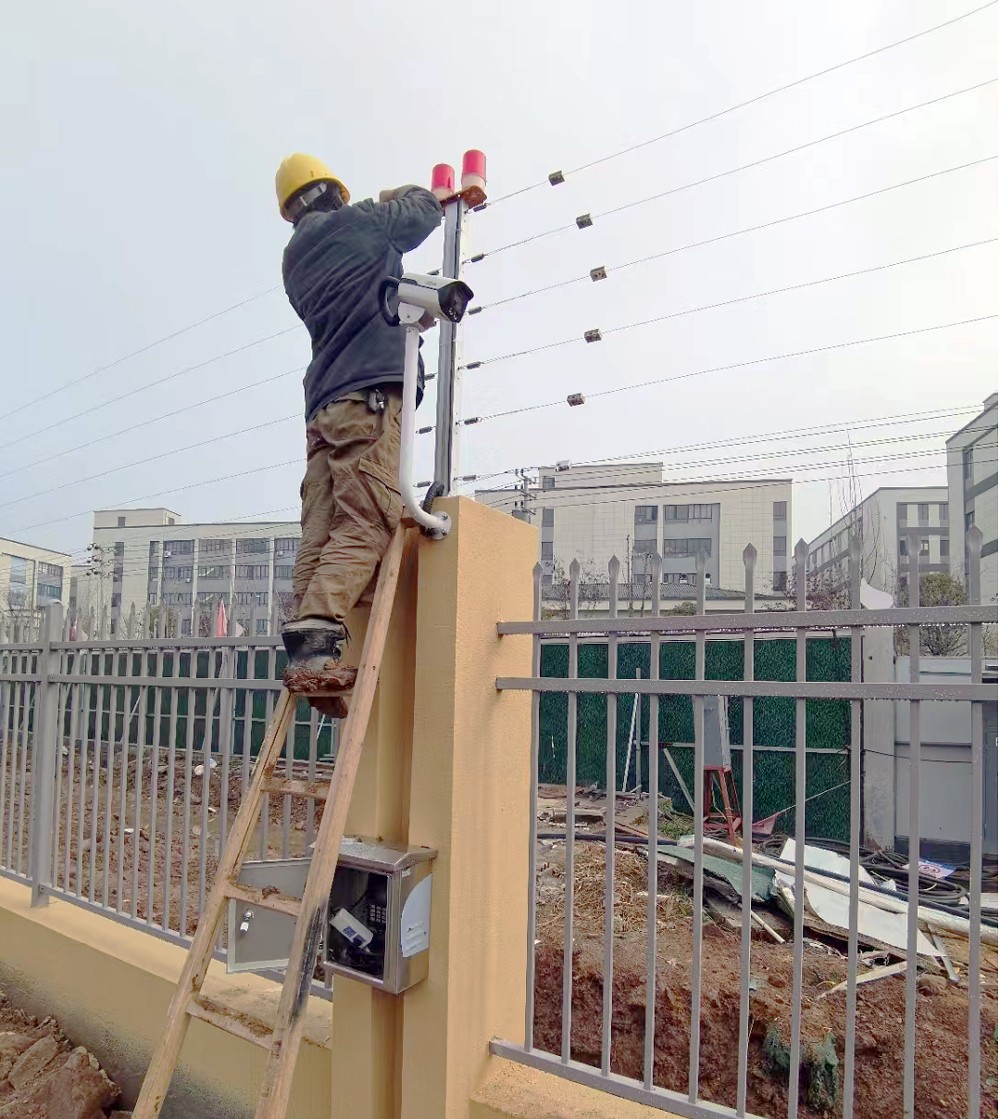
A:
x,y
611,1061
122,764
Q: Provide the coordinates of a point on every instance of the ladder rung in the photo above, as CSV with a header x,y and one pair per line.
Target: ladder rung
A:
x,y
249,1029
292,786
254,895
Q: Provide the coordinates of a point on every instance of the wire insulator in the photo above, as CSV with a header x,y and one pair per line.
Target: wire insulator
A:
x,y
474,310
474,365
477,258
557,178
592,335
575,399
584,221
600,273
424,430
472,420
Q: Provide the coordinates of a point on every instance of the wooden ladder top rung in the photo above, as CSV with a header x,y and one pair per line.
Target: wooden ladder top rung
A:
x,y
239,1025
266,899
292,786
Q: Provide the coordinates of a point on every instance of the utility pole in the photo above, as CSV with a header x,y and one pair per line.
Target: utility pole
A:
x,y
449,376
522,509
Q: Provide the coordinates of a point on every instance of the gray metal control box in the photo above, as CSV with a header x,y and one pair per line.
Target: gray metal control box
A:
x,y
378,918
717,749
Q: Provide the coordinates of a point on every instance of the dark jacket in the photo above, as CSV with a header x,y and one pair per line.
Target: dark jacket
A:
x,y
332,269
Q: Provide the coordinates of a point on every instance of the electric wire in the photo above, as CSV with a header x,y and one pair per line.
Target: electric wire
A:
x,y
239,390
731,366
733,233
142,350
737,299
143,388
478,257
747,103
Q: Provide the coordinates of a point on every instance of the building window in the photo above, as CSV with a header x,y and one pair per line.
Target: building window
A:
x,y
178,547
119,547
50,569
943,513
967,463
170,521
119,572
154,548
546,549
121,522
644,547
116,601
700,512
688,547
151,598
780,511
779,581
284,545
925,547
679,578
903,551
283,571
780,546
251,598
548,518
18,569
924,514
945,548
177,598
645,514
216,571
548,482
255,545
179,573
185,627
901,512
675,512
45,590
214,547
970,519
252,571
262,627
154,574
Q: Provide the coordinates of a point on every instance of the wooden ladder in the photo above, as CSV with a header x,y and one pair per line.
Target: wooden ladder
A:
x,y
283,1042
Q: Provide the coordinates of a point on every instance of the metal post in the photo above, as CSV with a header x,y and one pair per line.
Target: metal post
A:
x,y
449,378
45,750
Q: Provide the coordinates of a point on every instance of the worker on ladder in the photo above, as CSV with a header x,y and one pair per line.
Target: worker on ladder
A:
x,y
333,266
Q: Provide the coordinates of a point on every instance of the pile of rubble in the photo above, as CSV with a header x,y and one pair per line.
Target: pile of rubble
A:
x,y
42,1076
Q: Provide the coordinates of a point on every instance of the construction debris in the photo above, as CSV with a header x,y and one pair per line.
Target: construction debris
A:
x,y
869,977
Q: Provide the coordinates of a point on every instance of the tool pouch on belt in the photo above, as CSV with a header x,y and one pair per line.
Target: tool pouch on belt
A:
x,y
376,401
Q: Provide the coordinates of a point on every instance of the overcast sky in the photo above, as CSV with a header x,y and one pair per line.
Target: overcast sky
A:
x,y
140,143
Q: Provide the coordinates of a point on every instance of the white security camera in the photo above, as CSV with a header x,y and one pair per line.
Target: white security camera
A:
x,y
440,296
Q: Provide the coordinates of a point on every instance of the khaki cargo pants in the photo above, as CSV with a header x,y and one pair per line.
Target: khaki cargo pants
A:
x,y
350,503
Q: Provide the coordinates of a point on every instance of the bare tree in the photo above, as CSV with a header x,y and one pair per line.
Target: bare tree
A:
x,y
937,588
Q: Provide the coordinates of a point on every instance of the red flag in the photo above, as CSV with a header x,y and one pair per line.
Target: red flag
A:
x,y
221,624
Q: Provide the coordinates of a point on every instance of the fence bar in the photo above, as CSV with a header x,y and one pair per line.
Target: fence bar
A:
x,y
913,838
73,705
95,779
58,816
795,1045
140,762
974,542
569,894
126,744
45,750
746,814
227,713
168,804
653,828
611,783
536,660
7,754
84,754
186,807
206,779
850,1025
154,794
27,701
108,769
698,797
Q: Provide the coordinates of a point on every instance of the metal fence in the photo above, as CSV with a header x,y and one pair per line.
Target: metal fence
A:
x,y
650,1007
123,762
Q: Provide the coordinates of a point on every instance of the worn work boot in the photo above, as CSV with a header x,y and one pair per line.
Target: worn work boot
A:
x,y
314,647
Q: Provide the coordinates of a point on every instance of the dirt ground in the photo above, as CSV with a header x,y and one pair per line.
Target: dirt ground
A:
x,y
43,1077
942,1008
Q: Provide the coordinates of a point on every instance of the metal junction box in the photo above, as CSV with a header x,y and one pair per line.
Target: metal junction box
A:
x,y
379,920
378,917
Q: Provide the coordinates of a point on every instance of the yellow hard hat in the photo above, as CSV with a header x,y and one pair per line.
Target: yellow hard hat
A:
x,y
298,171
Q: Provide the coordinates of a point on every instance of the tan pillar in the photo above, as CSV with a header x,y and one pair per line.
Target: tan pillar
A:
x,y
469,799
367,1023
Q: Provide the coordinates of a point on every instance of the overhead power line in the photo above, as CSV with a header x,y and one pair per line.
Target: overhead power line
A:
x,y
731,302
730,171
843,427
733,233
143,388
239,390
734,365
744,104
142,350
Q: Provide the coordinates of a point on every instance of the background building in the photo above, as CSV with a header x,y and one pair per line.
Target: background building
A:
x,y
150,557
883,520
591,513
30,579
972,493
